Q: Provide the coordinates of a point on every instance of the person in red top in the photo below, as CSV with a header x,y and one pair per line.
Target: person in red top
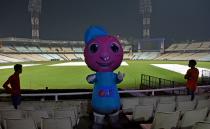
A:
x,y
192,78
12,86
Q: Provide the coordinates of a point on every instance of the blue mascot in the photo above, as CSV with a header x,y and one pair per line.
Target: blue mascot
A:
x,y
103,54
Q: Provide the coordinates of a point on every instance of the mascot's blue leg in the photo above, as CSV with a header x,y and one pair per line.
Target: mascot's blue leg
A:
x,y
114,119
98,121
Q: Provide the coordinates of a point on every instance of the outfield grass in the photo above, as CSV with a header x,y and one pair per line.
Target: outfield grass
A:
x,y
74,77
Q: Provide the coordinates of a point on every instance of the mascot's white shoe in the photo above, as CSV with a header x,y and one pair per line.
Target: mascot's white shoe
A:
x,y
98,121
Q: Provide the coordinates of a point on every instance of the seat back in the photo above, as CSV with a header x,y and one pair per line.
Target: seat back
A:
x,y
166,107
185,106
56,123
67,113
182,98
20,124
128,104
191,117
166,120
148,101
167,99
203,103
202,125
143,112
37,116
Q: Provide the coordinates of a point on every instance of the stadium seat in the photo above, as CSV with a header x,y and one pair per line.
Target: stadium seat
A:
x,y
191,117
208,118
37,116
182,98
20,124
128,104
74,108
26,108
2,104
185,106
142,113
30,104
49,107
67,113
167,99
148,101
203,104
84,108
12,114
201,97
202,125
166,107
56,123
6,107
163,120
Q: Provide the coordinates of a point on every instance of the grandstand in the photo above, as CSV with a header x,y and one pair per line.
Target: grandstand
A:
x,y
186,51
178,51
144,111
26,50
139,108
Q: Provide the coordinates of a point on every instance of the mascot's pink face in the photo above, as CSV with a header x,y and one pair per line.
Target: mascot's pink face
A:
x,y
103,54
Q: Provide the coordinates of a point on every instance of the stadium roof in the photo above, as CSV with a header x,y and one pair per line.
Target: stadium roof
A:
x,y
22,41
37,41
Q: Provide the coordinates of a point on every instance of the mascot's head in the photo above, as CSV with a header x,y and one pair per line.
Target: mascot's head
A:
x,y
103,52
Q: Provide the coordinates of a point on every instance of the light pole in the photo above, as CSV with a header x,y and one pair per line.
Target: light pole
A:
x,y
145,12
34,7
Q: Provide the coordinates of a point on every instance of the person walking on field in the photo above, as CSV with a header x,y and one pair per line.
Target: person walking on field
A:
x,y
192,78
12,86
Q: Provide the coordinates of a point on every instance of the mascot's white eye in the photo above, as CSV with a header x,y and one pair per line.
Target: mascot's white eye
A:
x,y
93,48
114,47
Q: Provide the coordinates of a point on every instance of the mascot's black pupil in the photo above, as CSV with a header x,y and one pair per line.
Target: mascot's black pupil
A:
x,y
94,48
114,48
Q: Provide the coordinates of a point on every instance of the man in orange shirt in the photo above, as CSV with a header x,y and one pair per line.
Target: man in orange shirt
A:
x,y
192,78
12,86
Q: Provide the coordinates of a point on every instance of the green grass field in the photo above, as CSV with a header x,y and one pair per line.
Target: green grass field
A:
x,y
69,77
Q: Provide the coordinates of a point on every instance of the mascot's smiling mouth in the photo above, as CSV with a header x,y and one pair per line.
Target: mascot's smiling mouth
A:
x,y
104,64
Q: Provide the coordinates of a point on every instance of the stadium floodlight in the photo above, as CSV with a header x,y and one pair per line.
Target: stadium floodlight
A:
x,y
34,7
145,11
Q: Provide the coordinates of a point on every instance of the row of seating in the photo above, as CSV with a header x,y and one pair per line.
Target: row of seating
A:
x,y
189,46
180,108
38,116
35,57
5,58
128,104
36,49
184,56
145,55
142,108
47,123
174,120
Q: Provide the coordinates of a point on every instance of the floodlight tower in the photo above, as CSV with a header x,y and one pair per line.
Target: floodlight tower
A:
x,y
145,12
34,7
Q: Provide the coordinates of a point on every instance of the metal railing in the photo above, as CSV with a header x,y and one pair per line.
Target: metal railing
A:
x,y
152,91
151,82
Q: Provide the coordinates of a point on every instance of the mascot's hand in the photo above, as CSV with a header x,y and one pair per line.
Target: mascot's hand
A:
x,y
91,78
120,76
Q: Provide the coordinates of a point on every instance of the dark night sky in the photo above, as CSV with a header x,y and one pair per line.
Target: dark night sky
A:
x,y
176,20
